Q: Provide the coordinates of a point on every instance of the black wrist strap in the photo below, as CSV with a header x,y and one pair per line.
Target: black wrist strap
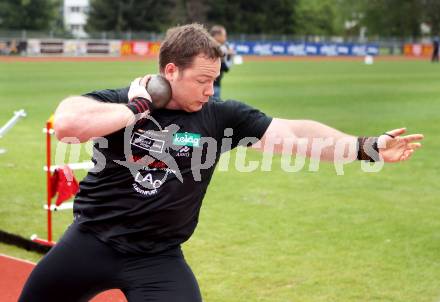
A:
x,y
368,149
139,105
390,135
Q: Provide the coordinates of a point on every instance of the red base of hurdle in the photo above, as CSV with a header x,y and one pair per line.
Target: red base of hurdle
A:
x,y
49,169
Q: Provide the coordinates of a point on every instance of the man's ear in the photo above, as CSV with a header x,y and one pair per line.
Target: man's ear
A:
x,y
171,72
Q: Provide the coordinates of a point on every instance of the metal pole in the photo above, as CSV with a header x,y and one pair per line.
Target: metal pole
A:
x,y
12,122
48,180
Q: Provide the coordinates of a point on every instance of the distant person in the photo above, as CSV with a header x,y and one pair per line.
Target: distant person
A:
x,y
435,46
218,32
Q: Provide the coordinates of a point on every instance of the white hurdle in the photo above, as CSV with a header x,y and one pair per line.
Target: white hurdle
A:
x,y
9,124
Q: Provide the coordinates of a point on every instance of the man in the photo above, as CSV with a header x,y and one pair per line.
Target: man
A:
x,y
435,50
133,213
218,32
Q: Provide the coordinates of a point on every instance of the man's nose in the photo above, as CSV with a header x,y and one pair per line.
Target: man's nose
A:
x,y
209,91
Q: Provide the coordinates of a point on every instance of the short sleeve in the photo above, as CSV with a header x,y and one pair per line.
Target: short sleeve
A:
x,y
247,123
109,95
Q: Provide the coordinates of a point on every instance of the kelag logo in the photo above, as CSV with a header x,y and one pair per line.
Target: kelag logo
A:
x,y
187,139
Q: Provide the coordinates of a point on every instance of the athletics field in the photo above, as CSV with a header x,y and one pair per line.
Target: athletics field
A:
x,y
310,235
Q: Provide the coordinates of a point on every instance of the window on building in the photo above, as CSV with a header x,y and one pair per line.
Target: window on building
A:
x,y
75,27
75,9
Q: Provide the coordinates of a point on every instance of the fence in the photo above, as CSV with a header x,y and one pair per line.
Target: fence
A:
x,y
34,43
154,36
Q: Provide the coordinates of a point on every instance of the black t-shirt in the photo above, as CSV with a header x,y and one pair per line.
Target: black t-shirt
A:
x,y
145,192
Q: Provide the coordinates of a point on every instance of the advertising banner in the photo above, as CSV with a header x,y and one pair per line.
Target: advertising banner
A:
x,y
304,49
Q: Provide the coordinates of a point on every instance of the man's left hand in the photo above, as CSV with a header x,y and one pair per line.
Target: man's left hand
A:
x,y
393,147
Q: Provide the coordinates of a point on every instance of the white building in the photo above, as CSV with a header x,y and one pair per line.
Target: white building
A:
x,y
75,16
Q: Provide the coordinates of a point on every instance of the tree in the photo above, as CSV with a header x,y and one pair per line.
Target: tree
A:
x,y
431,15
318,17
194,11
131,15
27,14
389,18
393,18
254,16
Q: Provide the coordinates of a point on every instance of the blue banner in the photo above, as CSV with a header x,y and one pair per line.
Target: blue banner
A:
x,y
304,49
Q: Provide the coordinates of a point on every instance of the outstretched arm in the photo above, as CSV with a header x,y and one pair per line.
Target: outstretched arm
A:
x,y
318,141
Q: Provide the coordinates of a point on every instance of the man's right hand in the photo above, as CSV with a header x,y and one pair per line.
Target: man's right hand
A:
x,y
138,88
139,100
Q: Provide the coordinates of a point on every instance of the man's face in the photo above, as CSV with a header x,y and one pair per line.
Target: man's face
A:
x,y
192,86
221,37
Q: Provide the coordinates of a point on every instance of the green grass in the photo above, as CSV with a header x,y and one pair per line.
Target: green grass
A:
x,y
273,236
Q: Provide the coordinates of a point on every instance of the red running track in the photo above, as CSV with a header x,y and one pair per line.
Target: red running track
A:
x,y
14,273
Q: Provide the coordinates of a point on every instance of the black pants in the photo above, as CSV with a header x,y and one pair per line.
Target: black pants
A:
x,y
80,266
434,57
